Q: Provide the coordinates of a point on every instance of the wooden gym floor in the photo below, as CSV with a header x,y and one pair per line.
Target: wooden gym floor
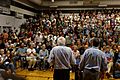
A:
x,y
42,75
38,75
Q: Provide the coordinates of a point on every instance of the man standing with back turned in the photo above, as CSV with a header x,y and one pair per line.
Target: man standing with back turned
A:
x,y
93,62
61,57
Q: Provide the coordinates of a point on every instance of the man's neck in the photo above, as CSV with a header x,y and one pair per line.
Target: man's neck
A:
x,y
95,47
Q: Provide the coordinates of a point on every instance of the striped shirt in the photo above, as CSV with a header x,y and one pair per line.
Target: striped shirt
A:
x,y
61,57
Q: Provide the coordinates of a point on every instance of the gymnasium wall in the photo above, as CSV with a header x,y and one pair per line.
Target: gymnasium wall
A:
x,y
14,21
10,22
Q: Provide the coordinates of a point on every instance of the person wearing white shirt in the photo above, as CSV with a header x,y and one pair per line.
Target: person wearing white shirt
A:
x,y
31,56
39,38
76,54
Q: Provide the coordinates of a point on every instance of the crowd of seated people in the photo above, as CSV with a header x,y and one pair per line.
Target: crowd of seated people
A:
x,y
38,36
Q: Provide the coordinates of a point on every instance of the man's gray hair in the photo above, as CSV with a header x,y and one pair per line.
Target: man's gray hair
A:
x,y
61,41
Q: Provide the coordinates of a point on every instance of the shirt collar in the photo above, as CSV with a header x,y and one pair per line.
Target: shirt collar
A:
x,y
94,47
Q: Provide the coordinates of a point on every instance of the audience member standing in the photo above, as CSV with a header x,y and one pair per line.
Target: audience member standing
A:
x,y
76,54
5,35
2,44
109,56
39,38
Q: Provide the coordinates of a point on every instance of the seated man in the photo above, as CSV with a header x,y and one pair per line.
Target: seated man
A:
x,y
43,54
31,56
117,58
20,52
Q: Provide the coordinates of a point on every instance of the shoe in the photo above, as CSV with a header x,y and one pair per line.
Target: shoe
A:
x,y
13,73
32,66
29,67
44,70
108,75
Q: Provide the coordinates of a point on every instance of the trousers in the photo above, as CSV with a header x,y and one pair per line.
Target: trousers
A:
x,y
90,74
61,74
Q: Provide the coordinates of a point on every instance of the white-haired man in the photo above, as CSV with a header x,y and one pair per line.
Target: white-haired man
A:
x,y
61,57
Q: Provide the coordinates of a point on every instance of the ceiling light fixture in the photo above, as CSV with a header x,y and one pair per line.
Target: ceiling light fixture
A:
x,y
53,1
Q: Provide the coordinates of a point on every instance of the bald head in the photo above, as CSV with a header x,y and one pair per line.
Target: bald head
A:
x,y
2,51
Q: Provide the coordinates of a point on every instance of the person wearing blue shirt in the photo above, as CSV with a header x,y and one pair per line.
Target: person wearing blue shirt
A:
x,y
93,62
20,52
43,55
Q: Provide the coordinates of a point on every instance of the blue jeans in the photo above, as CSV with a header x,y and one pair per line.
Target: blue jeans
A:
x,y
15,59
10,66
